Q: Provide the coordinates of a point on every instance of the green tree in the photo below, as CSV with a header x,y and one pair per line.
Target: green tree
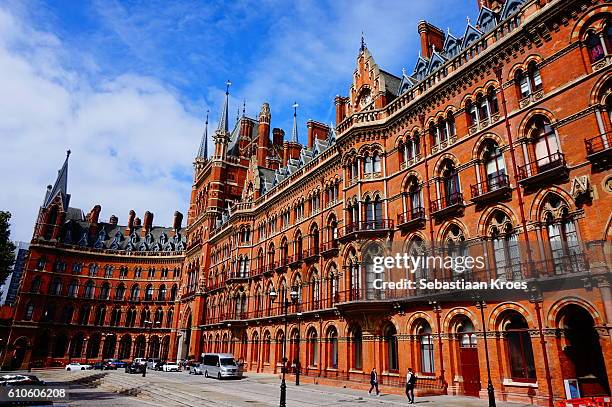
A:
x,y
7,248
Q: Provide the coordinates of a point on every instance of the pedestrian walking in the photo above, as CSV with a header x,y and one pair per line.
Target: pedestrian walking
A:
x,y
374,382
410,382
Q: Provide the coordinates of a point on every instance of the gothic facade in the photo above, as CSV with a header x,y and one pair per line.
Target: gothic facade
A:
x,y
498,142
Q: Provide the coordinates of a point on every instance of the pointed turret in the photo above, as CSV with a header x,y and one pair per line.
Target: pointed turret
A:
x,y
222,133
294,131
223,125
203,151
60,187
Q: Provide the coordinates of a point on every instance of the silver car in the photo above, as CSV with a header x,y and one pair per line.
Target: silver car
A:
x,y
196,368
220,365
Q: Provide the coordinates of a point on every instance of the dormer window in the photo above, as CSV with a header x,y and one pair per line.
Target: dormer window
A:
x,y
365,98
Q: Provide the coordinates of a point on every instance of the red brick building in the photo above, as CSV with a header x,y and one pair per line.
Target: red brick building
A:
x,y
497,143
94,289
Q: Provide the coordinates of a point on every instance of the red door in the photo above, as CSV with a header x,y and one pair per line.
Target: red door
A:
x,y
470,370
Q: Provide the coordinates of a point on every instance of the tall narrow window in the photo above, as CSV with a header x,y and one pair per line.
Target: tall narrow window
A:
x,y
427,348
520,352
390,338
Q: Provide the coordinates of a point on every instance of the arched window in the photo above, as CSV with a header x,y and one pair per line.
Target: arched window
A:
x,y
414,202
161,295
332,348
391,349
562,236
529,82
505,247
84,315
56,286
67,314
426,347
546,145
466,333
266,347
105,291
149,293
89,289
313,348
29,311
120,291
135,293
115,316
100,316
357,347
35,286
494,166
450,188
73,288
594,46
520,353
173,292
354,270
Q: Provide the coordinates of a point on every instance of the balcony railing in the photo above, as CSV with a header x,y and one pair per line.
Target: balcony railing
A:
x,y
598,143
599,150
330,247
543,169
370,226
411,218
447,204
310,254
493,187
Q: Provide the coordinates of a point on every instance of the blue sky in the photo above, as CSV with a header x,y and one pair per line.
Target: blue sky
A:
x,y
125,85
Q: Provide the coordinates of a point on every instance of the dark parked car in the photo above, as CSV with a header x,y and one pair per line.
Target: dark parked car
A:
x,y
104,366
158,365
134,367
116,363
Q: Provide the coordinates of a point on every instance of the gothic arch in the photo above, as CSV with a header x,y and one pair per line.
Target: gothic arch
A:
x,y
495,321
482,140
540,199
485,216
442,159
601,11
599,91
522,129
458,312
412,323
552,318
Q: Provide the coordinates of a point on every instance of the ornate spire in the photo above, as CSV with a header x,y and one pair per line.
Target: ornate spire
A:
x,y
223,125
60,187
243,107
363,46
203,151
294,132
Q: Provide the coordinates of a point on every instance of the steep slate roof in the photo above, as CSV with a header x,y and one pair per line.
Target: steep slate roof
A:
x,y
60,187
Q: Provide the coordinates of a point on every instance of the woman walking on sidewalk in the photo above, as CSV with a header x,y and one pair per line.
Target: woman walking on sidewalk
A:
x,y
410,382
374,381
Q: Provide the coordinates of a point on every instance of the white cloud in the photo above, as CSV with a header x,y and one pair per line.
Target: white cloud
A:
x,y
130,135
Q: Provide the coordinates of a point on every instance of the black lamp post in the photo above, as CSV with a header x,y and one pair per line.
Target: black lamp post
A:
x,y
480,304
297,361
294,297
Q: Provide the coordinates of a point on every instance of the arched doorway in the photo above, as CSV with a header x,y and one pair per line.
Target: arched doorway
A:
x,y
93,346
139,347
582,352
468,357
125,345
110,343
184,349
20,346
165,347
153,351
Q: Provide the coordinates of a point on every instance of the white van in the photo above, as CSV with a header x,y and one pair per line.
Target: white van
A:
x,y
220,365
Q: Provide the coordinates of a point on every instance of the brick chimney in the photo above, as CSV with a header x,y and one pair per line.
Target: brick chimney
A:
x,y
341,103
148,223
278,136
137,222
316,130
94,215
177,221
113,220
291,150
263,134
430,35
130,225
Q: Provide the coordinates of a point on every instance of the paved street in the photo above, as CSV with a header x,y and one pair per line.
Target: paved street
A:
x,y
117,388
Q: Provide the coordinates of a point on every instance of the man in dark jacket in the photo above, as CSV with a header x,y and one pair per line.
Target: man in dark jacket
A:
x,y
374,381
410,382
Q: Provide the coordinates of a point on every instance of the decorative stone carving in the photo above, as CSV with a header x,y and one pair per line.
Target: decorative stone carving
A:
x,y
581,187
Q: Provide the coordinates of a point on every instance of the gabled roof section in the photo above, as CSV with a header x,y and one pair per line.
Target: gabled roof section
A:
x,y
391,82
436,61
420,69
511,7
452,45
487,19
406,83
471,34
60,188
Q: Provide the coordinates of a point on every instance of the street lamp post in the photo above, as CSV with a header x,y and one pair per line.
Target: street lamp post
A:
x,y
437,309
480,304
294,297
297,361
